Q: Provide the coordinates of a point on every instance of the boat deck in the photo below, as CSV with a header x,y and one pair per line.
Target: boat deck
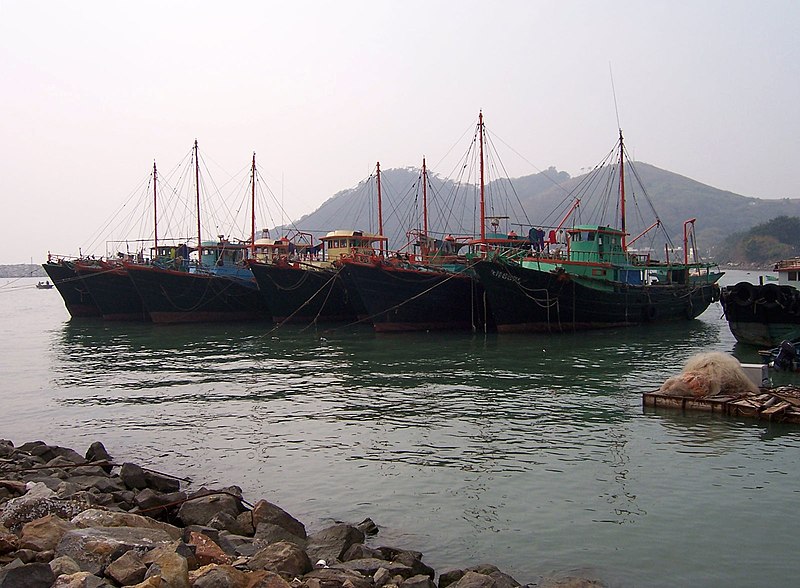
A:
x,y
771,404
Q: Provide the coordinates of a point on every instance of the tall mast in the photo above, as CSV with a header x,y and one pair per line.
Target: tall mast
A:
x,y
380,206
424,198
197,188
253,210
483,205
155,210
622,190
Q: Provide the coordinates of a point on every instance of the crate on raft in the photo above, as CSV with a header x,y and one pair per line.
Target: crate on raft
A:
x,y
780,405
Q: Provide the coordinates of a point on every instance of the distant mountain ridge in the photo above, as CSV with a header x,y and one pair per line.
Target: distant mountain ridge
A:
x,y
453,208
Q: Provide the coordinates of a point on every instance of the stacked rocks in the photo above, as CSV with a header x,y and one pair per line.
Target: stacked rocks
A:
x,y
69,521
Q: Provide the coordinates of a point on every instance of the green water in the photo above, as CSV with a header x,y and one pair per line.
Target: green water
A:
x,y
531,452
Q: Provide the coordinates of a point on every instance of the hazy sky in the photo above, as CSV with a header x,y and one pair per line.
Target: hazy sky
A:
x,y
94,91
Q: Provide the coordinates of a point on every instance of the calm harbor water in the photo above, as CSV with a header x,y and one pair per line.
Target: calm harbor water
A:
x,y
531,452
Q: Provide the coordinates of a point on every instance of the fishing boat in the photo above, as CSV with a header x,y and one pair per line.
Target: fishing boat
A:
x,y
112,290
71,287
764,315
429,287
586,277
46,285
299,280
215,286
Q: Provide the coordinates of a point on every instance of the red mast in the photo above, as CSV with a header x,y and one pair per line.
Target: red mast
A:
x,y
197,187
155,210
622,191
483,206
380,207
253,211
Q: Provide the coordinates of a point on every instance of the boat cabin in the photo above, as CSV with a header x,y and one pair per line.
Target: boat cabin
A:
x,y
789,272
223,257
351,243
596,244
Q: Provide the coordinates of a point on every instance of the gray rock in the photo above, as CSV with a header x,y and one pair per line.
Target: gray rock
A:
x,y
199,511
80,580
503,580
381,577
413,559
246,522
266,512
32,575
368,527
283,558
267,533
361,551
64,565
336,578
93,548
97,452
6,448
449,577
370,566
219,577
104,518
226,522
158,503
127,569
38,502
161,482
102,484
419,581
474,580
132,476
332,543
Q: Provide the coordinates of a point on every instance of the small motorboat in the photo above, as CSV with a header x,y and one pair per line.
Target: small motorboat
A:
x,y
46,285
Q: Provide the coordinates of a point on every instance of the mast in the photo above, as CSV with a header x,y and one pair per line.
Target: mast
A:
x,y
483,205
380,207
424,198
253,211
622,191
197,188
155,210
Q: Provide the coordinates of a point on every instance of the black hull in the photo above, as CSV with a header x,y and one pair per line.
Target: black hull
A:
x,y
179,297
77,299
524,299
399,299
762,316
114,293
302,295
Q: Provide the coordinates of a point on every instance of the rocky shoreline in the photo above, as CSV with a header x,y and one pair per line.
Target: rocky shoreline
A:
x,y
73,521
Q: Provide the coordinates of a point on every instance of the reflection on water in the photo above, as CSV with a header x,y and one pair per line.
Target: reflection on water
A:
x,y
529,451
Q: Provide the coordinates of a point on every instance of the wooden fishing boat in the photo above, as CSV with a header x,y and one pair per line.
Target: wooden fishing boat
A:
x,y
586,277
299,280
71,287
764,315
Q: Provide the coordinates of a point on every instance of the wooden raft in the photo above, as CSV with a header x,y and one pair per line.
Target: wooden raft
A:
x,y
771,404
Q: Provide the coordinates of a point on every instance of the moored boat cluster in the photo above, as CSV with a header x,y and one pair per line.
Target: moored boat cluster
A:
x,y
71,521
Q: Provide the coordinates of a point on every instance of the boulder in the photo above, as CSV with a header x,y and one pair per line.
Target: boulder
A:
x,y
282,557
80,580
199,511
267,533
93,548
206,551
361,551
107,518
225,522
413,559
332,543
97,452
8,541
265,579
22,575
64,565
474,580
156,503
214,576
266,512
38,502
449,577
102,484
172,568
502,579
132,476
6,448
419,581
44,534
370,566
368,527
336,578
127,569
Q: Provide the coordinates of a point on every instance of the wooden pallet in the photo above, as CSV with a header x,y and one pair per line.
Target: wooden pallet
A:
x,y
771,404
